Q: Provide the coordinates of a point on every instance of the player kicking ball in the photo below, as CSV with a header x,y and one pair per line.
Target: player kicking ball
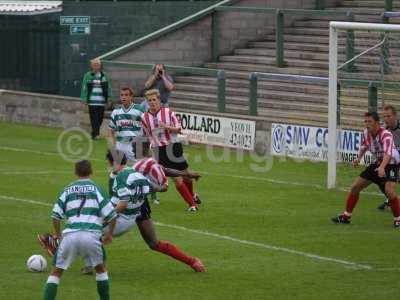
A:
x,y
85,208
382,171
129,196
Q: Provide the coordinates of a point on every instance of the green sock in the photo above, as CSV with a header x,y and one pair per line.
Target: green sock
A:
x,y
103,289
50,291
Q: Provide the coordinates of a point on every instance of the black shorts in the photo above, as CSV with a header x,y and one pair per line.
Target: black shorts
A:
x,y
171,156
145,212
391,171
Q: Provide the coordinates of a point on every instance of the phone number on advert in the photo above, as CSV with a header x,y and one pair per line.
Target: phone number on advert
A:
x,y
241,140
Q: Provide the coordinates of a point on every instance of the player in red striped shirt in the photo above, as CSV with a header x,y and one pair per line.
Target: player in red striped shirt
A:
x,y
383,171
162,127
149,167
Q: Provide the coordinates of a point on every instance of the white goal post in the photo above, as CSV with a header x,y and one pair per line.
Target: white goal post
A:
x,y
333,80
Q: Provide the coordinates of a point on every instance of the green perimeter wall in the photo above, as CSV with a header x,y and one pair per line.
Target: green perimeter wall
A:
x,y
113,25
39,55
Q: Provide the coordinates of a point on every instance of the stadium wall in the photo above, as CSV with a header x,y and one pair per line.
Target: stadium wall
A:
x,y
113,24
42,109
191,44
67,112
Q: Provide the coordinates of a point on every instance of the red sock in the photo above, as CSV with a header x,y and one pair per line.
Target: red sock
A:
x,y
173,251
189,185
185,193
351,202
395,207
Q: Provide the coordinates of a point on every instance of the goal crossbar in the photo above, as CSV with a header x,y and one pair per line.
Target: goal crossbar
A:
x,y
332,98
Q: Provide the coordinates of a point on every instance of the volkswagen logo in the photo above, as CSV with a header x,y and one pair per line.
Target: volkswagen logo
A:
x,y
278,138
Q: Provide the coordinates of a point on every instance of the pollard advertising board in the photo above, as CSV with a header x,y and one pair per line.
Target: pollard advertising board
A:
x,y
213,130
310,143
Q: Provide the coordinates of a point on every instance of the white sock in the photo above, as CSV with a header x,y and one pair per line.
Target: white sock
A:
x,y
53,279
101,276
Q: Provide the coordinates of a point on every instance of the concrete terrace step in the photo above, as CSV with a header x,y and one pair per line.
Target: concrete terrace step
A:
x,y
264,55
246,63
267,94
306,53
195,84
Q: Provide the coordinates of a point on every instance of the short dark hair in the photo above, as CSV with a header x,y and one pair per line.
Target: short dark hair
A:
x,y
374,115
83,168
116,156
141,146
125,88
391,108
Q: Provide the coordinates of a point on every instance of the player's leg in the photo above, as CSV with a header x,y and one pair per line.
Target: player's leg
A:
x,y
385,202
391,177
63,258
390,189
172,157
358,185
122,226
103,285
48,242
92,117
91,249
148,234
50,289
189,184
185,193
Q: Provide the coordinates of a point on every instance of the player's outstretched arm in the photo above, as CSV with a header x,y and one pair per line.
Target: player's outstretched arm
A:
x,y
360,155
57,227
154,188
108,236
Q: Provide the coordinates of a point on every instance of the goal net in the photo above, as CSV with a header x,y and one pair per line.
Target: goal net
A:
x,y
364,74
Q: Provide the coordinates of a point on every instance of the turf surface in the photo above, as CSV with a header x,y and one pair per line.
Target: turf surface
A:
x,y
262,235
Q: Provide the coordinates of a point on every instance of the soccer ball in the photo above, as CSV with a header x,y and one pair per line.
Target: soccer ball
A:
x,y
36,263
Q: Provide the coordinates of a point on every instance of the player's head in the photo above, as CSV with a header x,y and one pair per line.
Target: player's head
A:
x,y
126,96
95,65
153,99
390,116
116,159
83,168
141,147
371,120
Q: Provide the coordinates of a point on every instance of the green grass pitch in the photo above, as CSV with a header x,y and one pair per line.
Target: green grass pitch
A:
x,y
261,235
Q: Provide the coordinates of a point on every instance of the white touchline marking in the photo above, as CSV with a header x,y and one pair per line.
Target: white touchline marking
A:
x,y
232,239
255,178
33,172
37,152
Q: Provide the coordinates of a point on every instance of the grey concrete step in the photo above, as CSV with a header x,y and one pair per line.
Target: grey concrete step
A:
x,y
368,4
190,83
259,55
263,93
368,65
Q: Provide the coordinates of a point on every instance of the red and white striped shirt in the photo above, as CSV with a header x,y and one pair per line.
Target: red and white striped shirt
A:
x,y
380,145
160,136
152,170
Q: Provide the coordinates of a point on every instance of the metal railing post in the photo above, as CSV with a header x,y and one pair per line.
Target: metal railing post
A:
x,y
372,97
388,5
253,88
338,90
215,37
350,42
221,90
320,4
385,55
279,28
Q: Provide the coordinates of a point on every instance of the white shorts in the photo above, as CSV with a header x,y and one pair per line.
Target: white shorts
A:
x,y
79,243
127,149
123,225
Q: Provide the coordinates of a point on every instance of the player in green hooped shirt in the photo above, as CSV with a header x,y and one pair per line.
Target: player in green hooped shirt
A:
x,y
86,209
